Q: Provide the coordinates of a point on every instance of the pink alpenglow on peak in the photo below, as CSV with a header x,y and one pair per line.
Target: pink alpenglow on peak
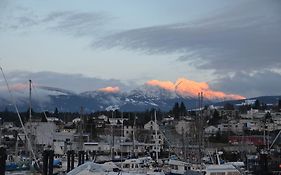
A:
x,y
110,89
185,88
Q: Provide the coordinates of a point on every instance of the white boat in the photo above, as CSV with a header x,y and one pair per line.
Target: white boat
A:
x,y
223,169
91,168
183,168
109,168
143,165
177,167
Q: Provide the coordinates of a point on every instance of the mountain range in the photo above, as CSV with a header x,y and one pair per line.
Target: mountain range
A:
x,y
139,99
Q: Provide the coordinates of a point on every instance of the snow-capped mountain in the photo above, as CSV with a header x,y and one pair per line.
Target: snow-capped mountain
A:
x,y
142,98
139,99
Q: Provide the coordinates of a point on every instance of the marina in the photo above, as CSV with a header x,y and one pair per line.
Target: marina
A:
x,y
139,87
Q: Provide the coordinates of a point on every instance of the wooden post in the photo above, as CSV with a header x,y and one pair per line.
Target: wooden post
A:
x,y
3,158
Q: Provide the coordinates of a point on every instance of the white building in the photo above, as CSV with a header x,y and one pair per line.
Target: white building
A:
x,y
151,125
183,127
156,139
41,133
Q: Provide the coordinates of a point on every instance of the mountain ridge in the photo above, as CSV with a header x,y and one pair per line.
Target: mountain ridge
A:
x,y
139,99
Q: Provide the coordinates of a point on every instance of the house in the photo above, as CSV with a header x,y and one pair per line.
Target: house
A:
x,y
183,127
41,133
168,120
156,136
232,126
131,126
151,125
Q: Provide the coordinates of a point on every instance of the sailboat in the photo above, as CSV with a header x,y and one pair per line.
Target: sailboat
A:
x,y
18,164
183,168
133,166
144,165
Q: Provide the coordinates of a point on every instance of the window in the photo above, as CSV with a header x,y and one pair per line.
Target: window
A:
x,y
233,173
217,173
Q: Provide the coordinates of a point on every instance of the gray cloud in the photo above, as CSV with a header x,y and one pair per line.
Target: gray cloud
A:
x,y
77,23
245,38
69,22
73,82
260,83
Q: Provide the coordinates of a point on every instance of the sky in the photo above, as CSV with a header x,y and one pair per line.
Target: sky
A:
x,y
233,47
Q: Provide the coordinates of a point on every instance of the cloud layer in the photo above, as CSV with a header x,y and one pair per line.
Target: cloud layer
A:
x,y
69,22
231,41
251,85
74,82
189,88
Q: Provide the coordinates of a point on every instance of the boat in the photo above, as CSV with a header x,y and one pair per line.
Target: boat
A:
x,y
91,168
177,167
223,169
143,165
18,166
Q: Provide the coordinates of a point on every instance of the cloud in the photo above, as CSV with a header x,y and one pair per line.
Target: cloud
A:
x,y
77,23
190,88
69,22
75,83
110,89
167,85
244,38
257,84
15,87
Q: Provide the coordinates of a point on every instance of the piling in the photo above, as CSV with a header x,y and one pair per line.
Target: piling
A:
x,y
79,158
68,154
48,160
72,160
82,157
87,156
3,158
45,162
51,162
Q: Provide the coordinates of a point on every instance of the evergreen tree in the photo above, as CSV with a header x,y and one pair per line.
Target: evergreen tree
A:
x,y
56,112
215,118
257,104
176,110
183,110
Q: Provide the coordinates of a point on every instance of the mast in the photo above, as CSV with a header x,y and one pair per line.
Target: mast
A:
x,y
112,133
200,124
156,136
30,100
134,138
80,130
122,132
18,114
